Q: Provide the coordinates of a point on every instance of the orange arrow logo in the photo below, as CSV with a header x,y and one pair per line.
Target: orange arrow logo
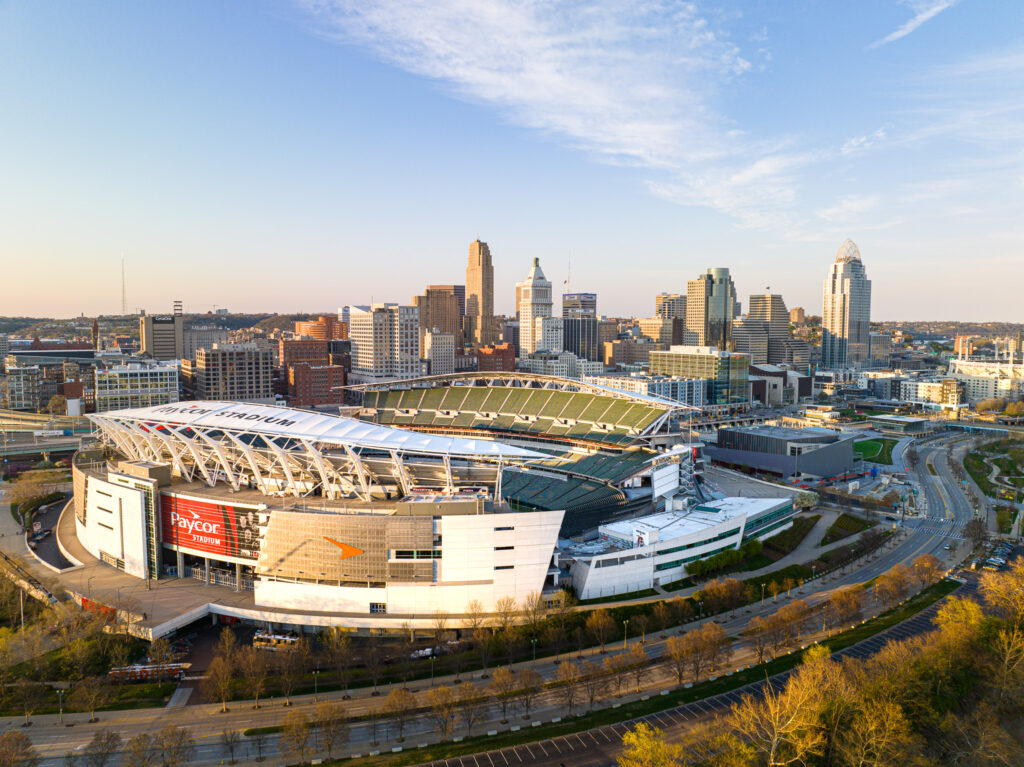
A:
x,y
346,550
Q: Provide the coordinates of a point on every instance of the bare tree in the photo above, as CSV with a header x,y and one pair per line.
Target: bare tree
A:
x,y
290,666
90,694
502,686
662,615
398,705
530,685
230,740
143,750
17,750
927,569
218,682
533,611
332,724
506,613
614,667
471,705
253,665
101,749
781,726
568,683
442,702
295,732
227,645
475,617
600,626
339,653
176,745
440,623
638,663
481,638
373,660
594,682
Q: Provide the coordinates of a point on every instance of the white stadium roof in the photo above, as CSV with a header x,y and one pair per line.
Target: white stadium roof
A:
x,y
315,427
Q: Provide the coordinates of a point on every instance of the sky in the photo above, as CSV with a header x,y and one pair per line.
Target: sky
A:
x,y
298,155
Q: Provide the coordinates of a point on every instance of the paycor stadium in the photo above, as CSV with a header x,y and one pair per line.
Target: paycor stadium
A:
x,y
428,495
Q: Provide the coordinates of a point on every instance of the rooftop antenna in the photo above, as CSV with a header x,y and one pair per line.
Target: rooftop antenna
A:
x,y
568,279
124,293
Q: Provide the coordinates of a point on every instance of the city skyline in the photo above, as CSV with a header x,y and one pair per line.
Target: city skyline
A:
x,y
350,138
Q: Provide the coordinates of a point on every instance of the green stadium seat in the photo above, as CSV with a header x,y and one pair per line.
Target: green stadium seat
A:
x,y
556,404
432,399
453,398
495,399
576,405
594,412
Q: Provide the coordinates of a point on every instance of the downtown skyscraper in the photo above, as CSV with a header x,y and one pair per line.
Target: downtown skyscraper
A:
x,y
479,325
846,312
710,308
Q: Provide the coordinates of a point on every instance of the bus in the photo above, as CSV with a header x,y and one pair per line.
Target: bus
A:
x,y
264,640
157,672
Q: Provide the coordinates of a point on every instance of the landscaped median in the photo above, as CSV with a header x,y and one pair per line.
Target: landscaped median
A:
x,y
655,702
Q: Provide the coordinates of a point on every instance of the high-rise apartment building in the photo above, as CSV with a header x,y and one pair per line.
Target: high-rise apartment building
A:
x,y
135,384
846,312
385,342
549,334
479,325
202,337
710,308
239,372
162,338
439,352
439,309
670,306
534,301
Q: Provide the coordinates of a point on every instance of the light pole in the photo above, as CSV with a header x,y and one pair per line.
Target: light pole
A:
x,y
60,703
534,641
625,634
431,670
762,595
316,689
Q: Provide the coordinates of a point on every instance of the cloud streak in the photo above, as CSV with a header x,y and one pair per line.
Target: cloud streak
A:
x,y
632,83
924,10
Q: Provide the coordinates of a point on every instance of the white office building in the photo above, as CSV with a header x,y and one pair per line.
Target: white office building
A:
x,y
535,301
136,384
385,342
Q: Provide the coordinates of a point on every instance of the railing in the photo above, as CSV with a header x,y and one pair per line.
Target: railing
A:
x,y
220,577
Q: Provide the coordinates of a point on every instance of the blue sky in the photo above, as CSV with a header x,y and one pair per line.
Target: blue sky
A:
x,y
295,156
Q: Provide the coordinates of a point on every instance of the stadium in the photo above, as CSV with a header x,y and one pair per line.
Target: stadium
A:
x,y
326,520
597,442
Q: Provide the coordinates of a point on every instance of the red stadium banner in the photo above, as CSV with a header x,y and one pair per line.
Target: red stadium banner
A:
x,y
207,527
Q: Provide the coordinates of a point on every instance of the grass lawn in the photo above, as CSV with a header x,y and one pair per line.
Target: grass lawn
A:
x,y
845,525
931,469
619,597
875,450
656,703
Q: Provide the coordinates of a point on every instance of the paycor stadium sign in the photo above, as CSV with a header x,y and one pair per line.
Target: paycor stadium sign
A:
x,y
209,528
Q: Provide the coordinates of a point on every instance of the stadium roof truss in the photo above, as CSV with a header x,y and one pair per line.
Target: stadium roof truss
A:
x,y
295,452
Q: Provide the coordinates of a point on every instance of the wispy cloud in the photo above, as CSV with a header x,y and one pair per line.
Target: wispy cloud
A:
x,y
848,209
924,10
633,83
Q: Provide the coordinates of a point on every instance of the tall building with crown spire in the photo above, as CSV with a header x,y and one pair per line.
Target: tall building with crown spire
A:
x,y
479,324
534,301
846,312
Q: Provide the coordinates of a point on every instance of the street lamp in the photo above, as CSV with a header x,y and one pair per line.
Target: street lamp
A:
x,y
534,641
625,634
762,595
431,670
316,689
60,703
700,608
